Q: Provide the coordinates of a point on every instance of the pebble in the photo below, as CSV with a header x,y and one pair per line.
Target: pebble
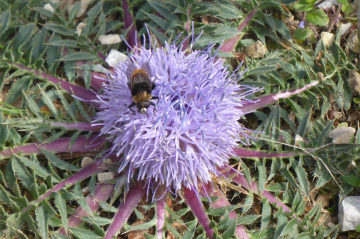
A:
x,y
354,81
353,41
349,216
105,176
109,39
256,50
115,57
86,162
79,28
341,135
327,38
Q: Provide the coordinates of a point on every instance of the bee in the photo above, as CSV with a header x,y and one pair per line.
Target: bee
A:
x,y
140,86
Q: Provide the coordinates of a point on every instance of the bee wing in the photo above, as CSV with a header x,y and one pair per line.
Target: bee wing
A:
x,y
130,69
145,66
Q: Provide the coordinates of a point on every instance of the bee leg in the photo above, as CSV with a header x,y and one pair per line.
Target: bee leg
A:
x,y
152,103
155,98
132,105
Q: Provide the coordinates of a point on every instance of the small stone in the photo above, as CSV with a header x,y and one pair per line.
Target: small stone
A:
x,y
345,27
349,216
83,7
48,7
327,38
79,28
105,176
115,57
86,162
341,135
256,50
354,81
299,138
327,4
353,41
109,39
86,189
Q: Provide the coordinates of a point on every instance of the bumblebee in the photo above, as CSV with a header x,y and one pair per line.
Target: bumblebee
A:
x,y
140,86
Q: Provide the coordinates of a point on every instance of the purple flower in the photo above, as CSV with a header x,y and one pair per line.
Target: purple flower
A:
x,y
194,126
302,24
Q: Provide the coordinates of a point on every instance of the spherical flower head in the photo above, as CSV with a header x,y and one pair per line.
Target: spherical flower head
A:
x,y
191,130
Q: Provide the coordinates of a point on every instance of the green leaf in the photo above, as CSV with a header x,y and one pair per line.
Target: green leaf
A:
x,y
190,229
22,85
97,220
228,10
304,5
67,107
289,177
79,56
4,131
59,163
265,214
32,105
21,38
230,231
81,200
59,29
160,7
262,175
64,43
39,46
61,205
22,173
289,227
246,220
45,12
260,70
302,178
42,220
82,233
74,10
317,17
50,104
303,125
222,210
34,165
4,21
352,180
303,33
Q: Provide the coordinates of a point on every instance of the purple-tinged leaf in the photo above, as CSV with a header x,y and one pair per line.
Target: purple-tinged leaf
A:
x,y
230,44
161,197
97,83
187,27
102,193
241,180
244,153
270,99
129,22
86,172
82,144
131,200
79,126
78,91
240,230
197,208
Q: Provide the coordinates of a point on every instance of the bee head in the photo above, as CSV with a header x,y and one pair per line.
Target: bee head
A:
x,y
142,107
